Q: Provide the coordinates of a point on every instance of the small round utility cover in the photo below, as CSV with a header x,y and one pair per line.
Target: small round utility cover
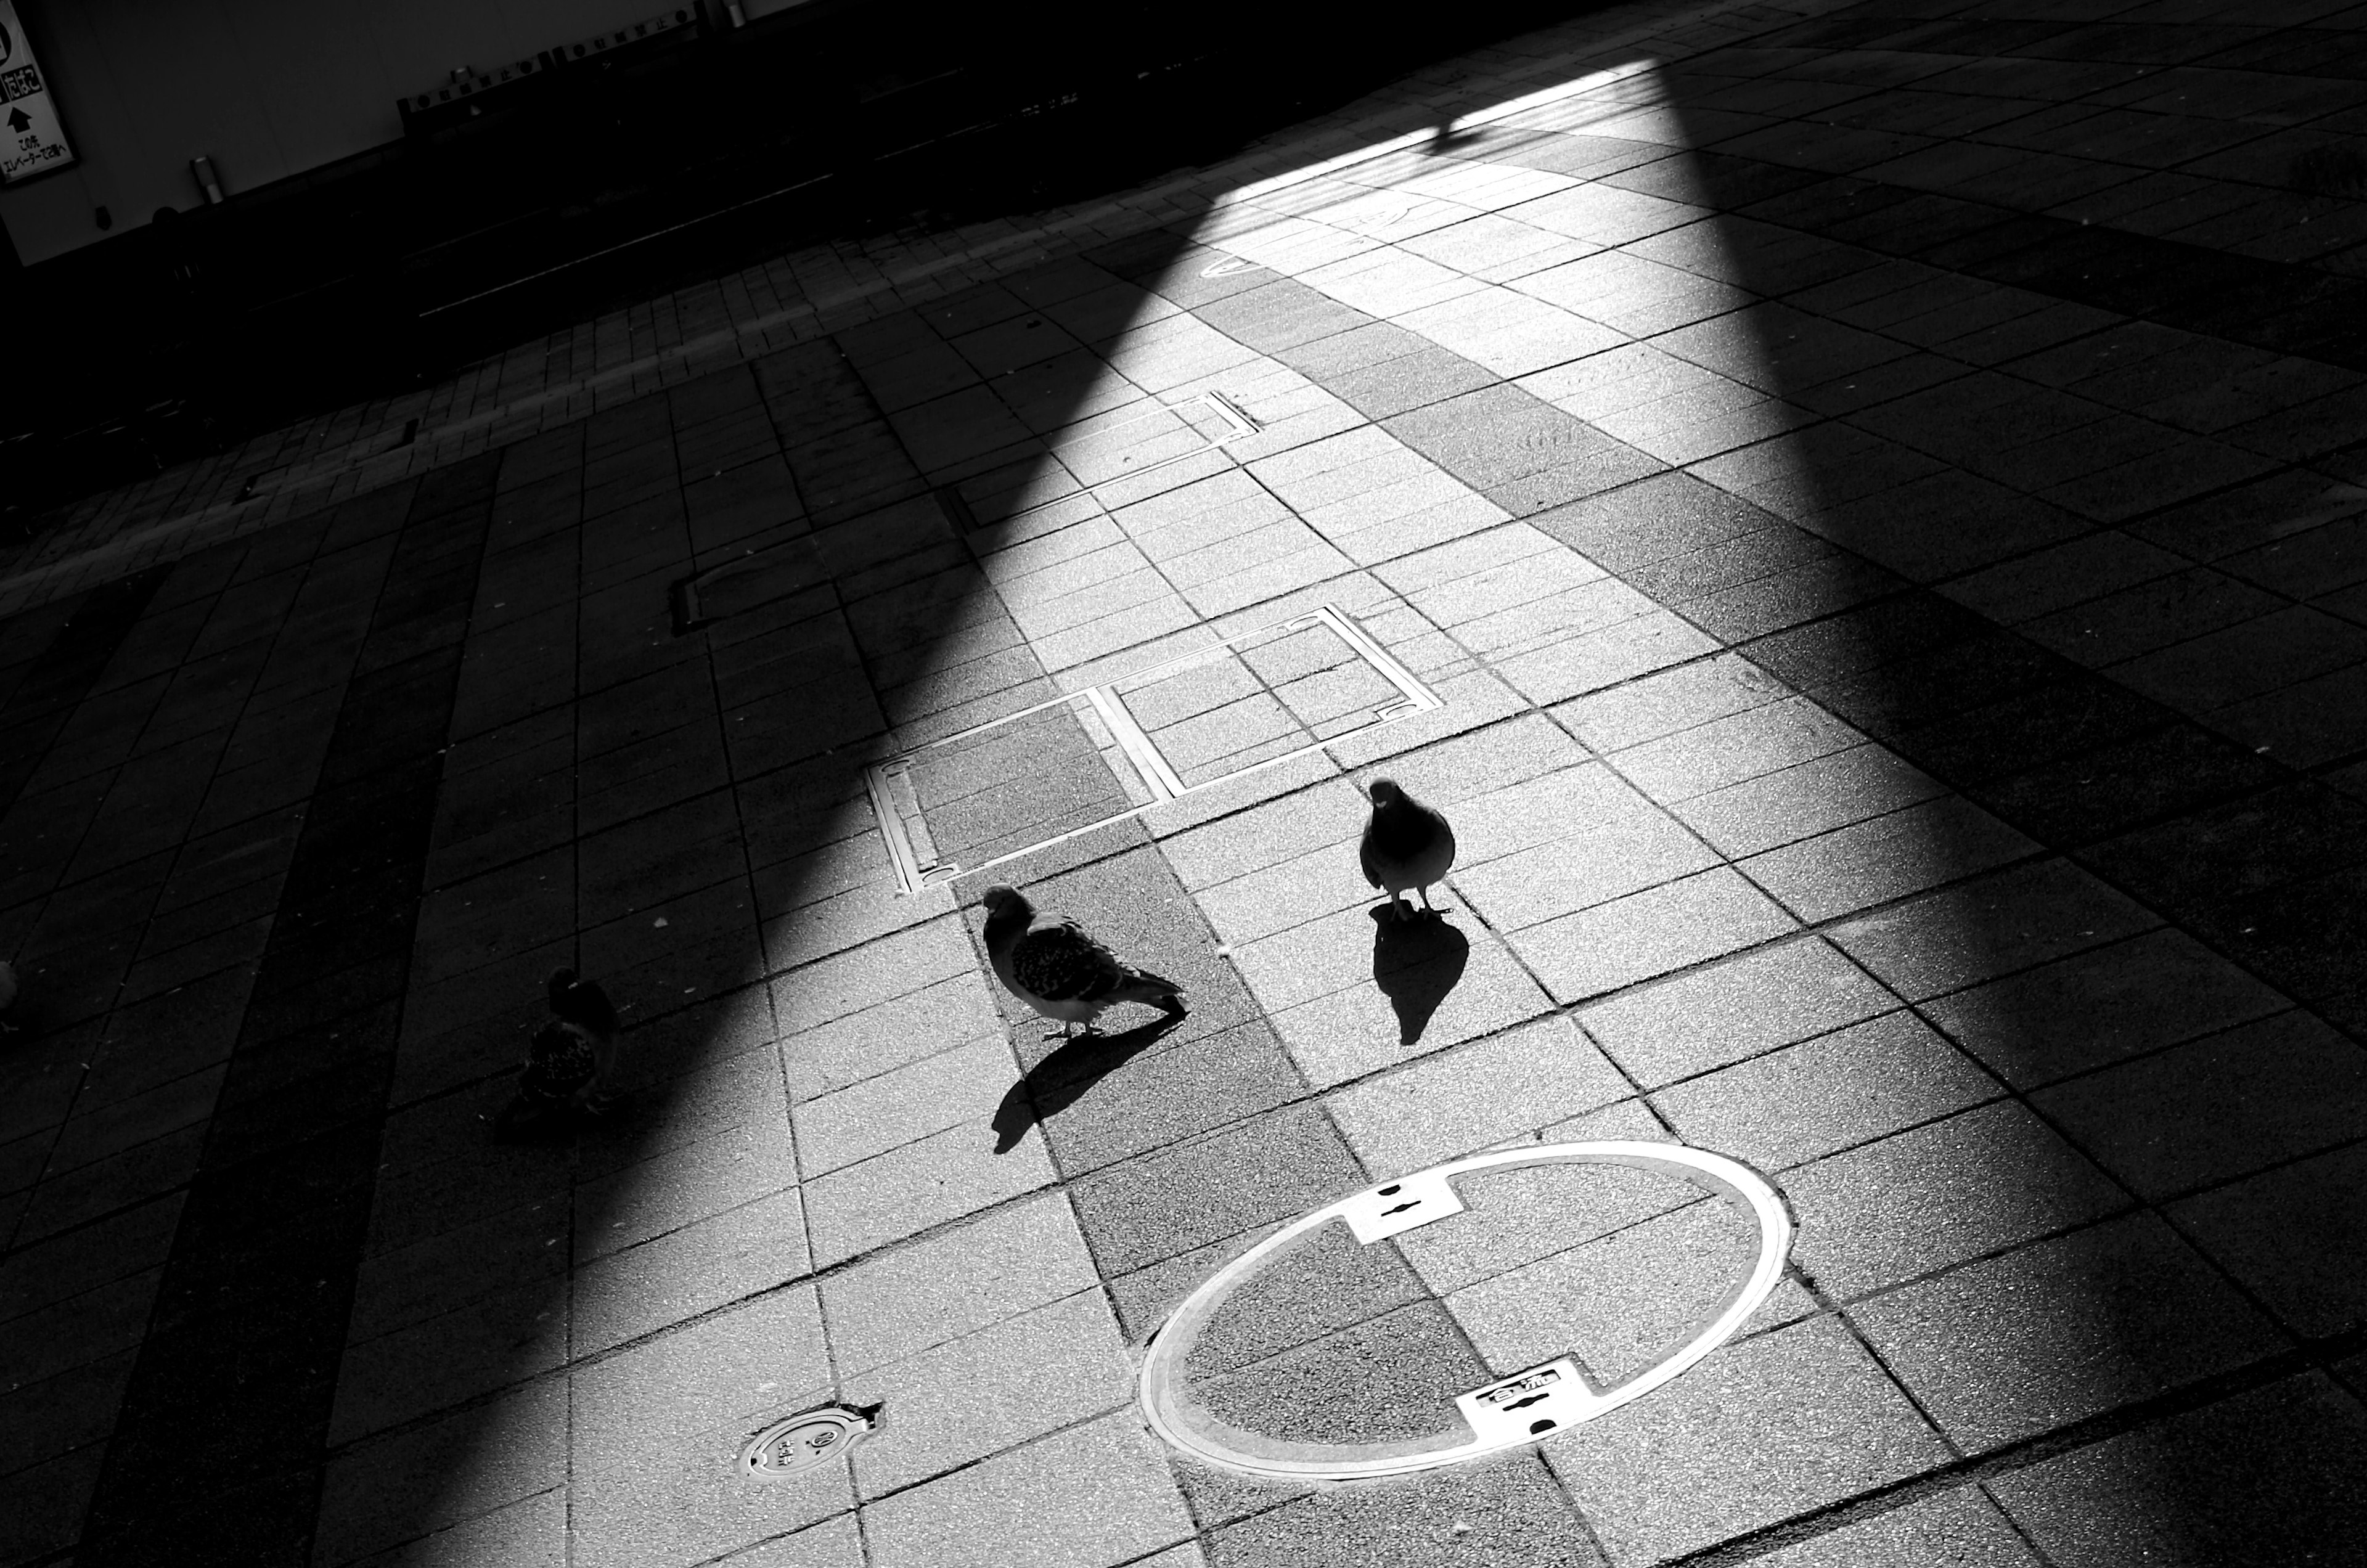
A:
x,y
804,1441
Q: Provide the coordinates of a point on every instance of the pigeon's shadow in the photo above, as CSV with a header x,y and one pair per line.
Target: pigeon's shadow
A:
x,y
1061,1080
1416,961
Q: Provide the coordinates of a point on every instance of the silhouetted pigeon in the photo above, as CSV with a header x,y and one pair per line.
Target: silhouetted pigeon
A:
x,y
1406,845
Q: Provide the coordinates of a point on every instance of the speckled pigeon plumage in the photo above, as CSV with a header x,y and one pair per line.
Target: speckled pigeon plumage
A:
x,y
568,1060
1060,970
1406,845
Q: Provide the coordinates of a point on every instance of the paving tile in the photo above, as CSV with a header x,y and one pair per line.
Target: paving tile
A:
x,y
899,1107
1634,938
1961,1526
1608,842
684,1184
1435,989
2220,1107
531,1532
45,1503
42,1421
688,1271
2292,1236
2098,1006
1100,1102
1762,1430
1390,1379
1804,1101
2010,1347
1273,1166
2274,1464
1621,1302
1728,750
916,1186
1990,926
1516,1217
1731,1009
1502,1511
1936,1194
893,967
114,1248
915,1026
1474,1095
967,1398
1806,799
498,1340
833,1544
1092,1496
392,1488
654,1435
961,1280
1886,857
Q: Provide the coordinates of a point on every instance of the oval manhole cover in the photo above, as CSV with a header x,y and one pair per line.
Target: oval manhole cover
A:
x,y
806,1440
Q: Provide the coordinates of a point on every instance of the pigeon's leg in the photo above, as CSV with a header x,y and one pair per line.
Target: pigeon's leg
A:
x,y
1427,906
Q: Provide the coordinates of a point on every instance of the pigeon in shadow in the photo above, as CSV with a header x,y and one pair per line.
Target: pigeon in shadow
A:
x,y
1060,971
1416,964
1406,845
568,1061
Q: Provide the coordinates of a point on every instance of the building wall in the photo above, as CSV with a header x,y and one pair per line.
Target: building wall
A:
x,y
265,88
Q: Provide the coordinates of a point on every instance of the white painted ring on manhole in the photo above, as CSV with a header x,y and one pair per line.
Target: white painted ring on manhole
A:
x,y
804,1441
1524,1408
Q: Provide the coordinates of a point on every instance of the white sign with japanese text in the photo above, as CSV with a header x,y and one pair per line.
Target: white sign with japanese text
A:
x,y
32,140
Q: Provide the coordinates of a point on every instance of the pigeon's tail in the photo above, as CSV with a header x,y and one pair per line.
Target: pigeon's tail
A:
x,y
1155,990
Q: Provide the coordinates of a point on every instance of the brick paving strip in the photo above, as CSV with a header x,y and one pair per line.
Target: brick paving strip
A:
x,y
1802,818
220,1442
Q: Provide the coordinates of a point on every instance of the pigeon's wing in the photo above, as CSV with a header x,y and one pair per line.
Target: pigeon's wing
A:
x,y
559,1061
1367,854
1061,964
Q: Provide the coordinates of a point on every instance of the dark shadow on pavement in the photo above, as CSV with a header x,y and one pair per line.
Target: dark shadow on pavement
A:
x,y
1417,960
1061,1080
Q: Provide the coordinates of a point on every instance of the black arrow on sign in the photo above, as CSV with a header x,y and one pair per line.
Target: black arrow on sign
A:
x,y
19,119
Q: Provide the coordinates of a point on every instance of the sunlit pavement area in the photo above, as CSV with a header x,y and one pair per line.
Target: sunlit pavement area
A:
x,y
1876,490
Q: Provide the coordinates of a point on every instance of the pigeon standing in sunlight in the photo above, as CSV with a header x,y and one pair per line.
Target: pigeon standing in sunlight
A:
x,y
569,1059
1060,971
1407,845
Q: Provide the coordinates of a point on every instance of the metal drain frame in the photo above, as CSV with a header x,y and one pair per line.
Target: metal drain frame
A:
x,y
1507,1413
915,874
1237,424
803,1441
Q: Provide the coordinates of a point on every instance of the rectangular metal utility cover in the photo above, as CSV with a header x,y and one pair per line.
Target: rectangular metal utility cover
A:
x,y
1047,773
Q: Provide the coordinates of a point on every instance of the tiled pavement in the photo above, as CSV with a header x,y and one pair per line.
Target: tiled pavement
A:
x,y
1877,494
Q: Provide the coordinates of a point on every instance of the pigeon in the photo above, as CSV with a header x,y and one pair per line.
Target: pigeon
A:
x,y
1062,972
583,1003
569,1057
1406,845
